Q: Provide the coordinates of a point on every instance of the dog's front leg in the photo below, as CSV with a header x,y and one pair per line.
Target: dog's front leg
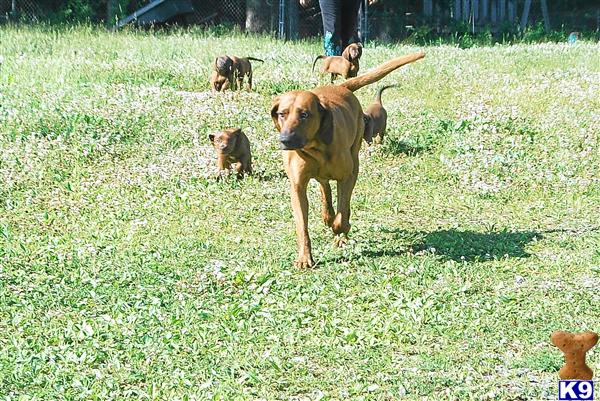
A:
x,y
300,210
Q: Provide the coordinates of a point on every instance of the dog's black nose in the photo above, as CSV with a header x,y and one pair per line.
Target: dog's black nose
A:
x,y
290,141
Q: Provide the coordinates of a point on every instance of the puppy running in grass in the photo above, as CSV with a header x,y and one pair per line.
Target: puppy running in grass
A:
x,y
345,65
233,150
376,118
222,76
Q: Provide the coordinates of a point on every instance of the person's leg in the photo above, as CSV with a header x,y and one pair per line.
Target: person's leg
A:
x,y
332,18
349,33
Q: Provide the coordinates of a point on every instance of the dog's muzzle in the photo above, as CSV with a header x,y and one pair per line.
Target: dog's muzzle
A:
x,y
291,141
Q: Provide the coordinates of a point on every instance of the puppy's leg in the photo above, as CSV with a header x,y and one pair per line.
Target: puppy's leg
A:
x,y
246,164
341,223
383,132
239,169
300,209
327,212
225,85
250,81
223,165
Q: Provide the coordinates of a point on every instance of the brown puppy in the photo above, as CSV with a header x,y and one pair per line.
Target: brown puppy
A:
x,y
353,53
222,75
321,132
376,118
233,147
336,65
243,68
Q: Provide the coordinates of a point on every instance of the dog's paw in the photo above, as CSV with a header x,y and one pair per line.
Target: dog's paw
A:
x,y
304,262
340,240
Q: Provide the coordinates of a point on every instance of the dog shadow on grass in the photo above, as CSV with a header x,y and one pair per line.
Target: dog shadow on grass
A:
x,y
397,147
457,245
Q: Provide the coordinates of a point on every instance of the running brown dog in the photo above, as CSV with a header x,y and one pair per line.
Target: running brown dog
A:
x,y
223,74
345,65
321,132
376,118
233,147
243,68
353,53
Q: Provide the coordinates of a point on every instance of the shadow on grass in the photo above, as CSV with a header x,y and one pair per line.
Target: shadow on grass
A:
x,y
448,244
396,147
477,246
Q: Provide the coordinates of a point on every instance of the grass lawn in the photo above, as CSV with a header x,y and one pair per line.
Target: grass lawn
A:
x,y
128,273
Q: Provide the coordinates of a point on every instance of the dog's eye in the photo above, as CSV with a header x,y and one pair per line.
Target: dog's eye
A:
x,y
303,115
280,114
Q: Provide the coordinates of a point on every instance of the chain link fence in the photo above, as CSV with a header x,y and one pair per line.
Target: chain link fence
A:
x,y
383,20
28,10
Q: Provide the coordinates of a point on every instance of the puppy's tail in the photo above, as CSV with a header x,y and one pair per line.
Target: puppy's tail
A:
x,y
375,75
315,62
255,59
380,91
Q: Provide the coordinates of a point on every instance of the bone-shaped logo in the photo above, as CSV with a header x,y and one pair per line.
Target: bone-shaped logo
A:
x,y
574,346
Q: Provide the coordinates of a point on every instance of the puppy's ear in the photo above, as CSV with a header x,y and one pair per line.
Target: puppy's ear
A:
x,y
325,132
211,137
274,116
368,135
237,132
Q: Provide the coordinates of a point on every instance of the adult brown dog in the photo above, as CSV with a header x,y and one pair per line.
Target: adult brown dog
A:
x,y
345,65
233,148
376,118
321,132
243,69
222,76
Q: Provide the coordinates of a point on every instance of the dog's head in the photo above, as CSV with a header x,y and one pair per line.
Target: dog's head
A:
x,y
224,65
301,119
352,52
226,140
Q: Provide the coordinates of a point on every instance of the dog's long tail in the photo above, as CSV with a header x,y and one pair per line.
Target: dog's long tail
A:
x,y
255,59
380,91
375,75
315,62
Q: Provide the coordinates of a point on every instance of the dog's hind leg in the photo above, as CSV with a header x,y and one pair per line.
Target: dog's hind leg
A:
x,y
341,223
327,212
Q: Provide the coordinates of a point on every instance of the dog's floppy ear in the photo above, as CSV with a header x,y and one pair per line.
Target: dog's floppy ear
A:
x,y
325,132
274,116
236,132
211,137
368,135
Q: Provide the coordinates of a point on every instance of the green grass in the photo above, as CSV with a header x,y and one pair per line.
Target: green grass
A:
x,y
127,272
